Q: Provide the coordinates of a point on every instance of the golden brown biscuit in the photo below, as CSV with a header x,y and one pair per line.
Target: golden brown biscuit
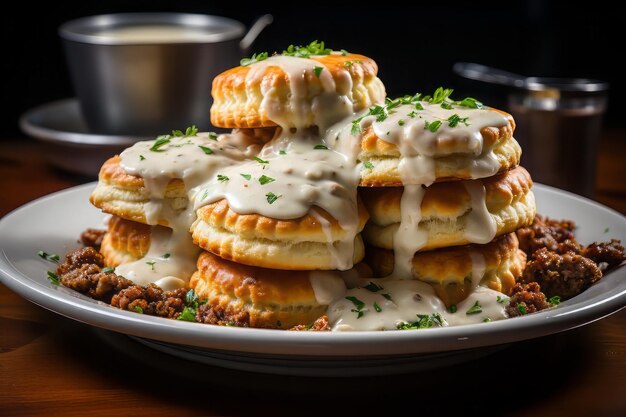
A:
x,y
252,239
126,196
125,241
383,157
451,271
248,296
446,206
238,98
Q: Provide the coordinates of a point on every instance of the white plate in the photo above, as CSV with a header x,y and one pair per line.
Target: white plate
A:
x,y
53,223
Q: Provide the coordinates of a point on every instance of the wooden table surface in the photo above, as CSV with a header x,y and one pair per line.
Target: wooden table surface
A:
x,y
54,366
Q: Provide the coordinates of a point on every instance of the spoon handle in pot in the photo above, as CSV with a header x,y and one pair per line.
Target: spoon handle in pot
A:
x,y
489,74
256,28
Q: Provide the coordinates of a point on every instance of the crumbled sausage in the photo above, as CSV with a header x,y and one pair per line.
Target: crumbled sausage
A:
x,y
609,253
319,325
546,233
151,300
92,237
565,275
526,299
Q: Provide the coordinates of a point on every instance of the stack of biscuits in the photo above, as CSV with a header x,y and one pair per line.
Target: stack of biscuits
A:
x,y
254,270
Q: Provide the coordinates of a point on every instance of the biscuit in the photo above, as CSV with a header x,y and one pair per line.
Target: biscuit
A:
x,y
240,94
294,244
446,207
451,271
125,241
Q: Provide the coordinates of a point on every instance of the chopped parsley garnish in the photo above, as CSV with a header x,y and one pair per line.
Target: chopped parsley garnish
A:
x,y
320,147
271,197
282,152
264,179
522,308
191,298
425,322
377,307
204,195
192,302
261,161
343,52
455,119
138,309
349,64
188,314
475,309
452,309
502,300
486,320
418,106
163,140
387,296
160,142
151,263
261,56
108,269
432,126
53,278
373,287
166,256
358,304
368,165
440,95
401,122
52,257
469,102
222,178
313,48
606,230
142,158
318,71
246,176
555,300
212,135
446,105
206,150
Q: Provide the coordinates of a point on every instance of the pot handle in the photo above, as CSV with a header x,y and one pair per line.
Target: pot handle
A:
x,y
256,28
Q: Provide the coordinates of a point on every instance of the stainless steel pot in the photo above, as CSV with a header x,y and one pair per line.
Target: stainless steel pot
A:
x,y
147,87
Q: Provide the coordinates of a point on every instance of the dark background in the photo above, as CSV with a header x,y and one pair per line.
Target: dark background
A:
x,y
415,46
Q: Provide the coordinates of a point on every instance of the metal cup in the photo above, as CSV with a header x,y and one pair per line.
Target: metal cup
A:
x,y
147,87
559,122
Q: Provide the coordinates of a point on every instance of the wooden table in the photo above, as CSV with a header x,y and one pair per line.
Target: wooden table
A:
x,y
54,366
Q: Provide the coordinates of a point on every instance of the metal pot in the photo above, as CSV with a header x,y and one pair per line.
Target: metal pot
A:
x,y
134,85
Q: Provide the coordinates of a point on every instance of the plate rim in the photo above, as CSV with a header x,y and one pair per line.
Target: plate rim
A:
x,y
323,344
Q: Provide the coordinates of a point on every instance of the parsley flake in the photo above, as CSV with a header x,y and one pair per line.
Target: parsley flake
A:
x,y
261,56
246,176
320,147
318,71
432,126
373,287
51,257
555,300
151,263
207,151
368,165
160,142
475,309
522,308
108,270
502,300
387,296
222,178
138,309
264,179
53,278
261,161
452,309
377,307
358,304
271,197
212,135
142,158
188,314
455,119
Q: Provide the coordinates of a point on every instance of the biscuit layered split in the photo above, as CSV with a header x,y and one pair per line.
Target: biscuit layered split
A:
x,y
274,224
